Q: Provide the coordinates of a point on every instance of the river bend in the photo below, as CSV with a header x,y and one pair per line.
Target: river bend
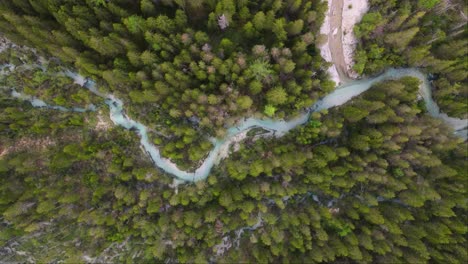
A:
x,y
340,96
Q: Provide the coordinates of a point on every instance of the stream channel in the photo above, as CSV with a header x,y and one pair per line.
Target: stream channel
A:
x,y
341,95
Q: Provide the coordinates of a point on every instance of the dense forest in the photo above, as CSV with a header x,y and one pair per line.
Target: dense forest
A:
x,y
184,62
376,180
431,34
357,183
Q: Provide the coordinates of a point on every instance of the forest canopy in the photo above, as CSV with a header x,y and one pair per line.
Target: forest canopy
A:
x,y
375,180
179,62
356,183
430,34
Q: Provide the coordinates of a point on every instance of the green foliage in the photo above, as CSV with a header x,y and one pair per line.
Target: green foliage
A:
x,y
374,181
340,182
422,33
309,133
99,2
244,102
368,23
428,4
166,57
276,96
269,110
260,69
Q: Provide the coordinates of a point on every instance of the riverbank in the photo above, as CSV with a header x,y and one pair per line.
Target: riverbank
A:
x,y
237,133
353,11
338,49
325,48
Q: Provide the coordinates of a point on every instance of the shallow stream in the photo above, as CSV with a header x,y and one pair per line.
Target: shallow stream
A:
x,y
278,127
236,133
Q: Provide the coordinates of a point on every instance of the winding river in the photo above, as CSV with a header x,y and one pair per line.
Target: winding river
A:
x,y
278,128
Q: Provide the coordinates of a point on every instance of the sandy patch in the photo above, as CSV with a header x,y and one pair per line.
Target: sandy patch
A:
x,y
224,149
340,41
351,16
325,50
102,122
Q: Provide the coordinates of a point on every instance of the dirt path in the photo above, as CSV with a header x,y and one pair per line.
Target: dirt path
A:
x,y
335,39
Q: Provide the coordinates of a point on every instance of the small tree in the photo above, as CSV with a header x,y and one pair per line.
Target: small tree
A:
x,y
277,96
269,110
